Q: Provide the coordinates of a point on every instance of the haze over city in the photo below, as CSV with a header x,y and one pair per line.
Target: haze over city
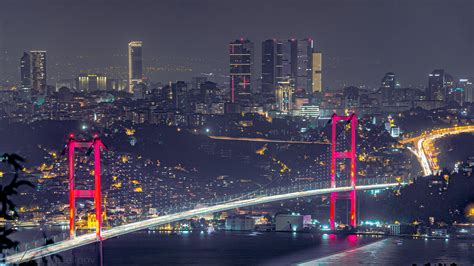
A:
x,y
361,39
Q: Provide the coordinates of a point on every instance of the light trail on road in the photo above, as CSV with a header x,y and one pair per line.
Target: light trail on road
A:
x,y
424,146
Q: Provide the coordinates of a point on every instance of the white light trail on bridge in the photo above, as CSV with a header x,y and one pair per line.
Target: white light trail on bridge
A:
x,y
90,238
267,140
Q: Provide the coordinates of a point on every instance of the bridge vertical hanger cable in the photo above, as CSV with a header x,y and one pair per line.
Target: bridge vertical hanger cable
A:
x,y
280,178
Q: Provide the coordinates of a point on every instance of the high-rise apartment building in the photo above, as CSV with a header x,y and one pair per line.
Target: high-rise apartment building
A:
x,y
387,87
135,64
468,87
436,86
38,61
25,71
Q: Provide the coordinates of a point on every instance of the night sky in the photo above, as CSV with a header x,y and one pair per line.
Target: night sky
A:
x,y
360,39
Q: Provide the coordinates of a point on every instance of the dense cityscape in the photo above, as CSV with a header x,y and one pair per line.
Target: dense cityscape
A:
x,y
267,125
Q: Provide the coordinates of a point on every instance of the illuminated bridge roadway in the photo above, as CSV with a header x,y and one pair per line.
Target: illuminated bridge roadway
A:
x,y
267,140
198,209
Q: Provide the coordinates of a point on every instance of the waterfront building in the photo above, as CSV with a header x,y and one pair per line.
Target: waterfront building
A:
x,y
239,223
291,222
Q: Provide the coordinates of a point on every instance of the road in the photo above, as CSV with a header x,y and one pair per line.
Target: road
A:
x,y
86,239
425,149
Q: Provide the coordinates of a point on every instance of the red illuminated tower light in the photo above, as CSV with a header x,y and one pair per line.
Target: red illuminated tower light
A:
x,y
94,145
351,154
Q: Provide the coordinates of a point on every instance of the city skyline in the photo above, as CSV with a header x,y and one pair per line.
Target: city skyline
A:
x,y
290,83
210,132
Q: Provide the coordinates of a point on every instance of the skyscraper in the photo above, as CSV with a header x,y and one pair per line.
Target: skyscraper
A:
x,y
288,61
293,63
39,71
25,71
387,87
241,53
135,64
271,69
297,65
436,82
316,70
304,54
468,87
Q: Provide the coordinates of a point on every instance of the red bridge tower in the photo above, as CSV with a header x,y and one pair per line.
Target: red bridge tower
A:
x,y
94,145
351,121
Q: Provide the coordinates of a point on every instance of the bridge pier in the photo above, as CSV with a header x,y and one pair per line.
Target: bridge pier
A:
x,y
332,210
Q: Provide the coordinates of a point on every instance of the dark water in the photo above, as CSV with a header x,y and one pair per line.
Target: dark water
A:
x,y
391,251
238,248
222,248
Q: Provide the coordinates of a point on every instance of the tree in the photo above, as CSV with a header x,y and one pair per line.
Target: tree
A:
x,y
8,208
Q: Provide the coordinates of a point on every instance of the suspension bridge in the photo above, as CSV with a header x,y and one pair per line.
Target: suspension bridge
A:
x,y
200,209
337,188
